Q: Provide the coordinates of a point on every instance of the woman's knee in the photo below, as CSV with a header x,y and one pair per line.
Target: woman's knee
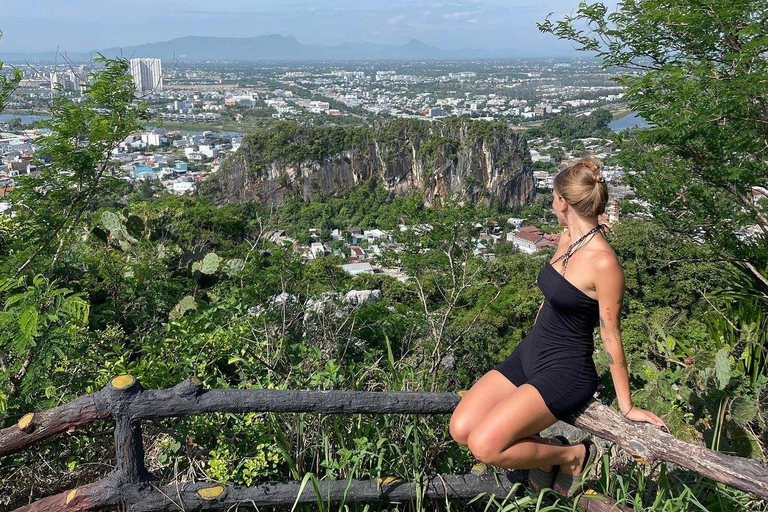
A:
x,y
483,447
487,450
460,428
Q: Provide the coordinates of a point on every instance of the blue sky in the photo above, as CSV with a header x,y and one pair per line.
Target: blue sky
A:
x,y
83,25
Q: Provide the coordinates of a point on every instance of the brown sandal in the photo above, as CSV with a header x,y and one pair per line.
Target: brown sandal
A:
x,y
539,479
568,484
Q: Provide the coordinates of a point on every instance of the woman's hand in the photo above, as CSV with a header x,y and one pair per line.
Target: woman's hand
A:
x,y
638,414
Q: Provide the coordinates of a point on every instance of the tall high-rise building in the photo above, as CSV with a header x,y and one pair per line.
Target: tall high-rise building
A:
x,y
66,81
147,74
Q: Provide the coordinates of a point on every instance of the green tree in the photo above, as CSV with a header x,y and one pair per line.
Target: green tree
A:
x,y
76,162
8,83
14,124
39,312
697,71
576,127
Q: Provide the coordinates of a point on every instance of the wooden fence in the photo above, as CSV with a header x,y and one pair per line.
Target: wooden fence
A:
x,y
130,486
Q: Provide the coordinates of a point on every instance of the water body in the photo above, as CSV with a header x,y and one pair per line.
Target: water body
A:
x,y
633,120
25,118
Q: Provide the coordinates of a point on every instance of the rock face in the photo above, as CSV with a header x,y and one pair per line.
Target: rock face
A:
x,y
469,161
362,297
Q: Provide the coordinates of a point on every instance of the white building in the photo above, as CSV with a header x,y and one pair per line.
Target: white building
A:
x,y
317,250
182,187
147,74
208,150
65,80
151,138
358,268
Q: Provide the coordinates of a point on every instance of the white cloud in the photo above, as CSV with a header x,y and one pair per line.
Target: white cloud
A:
x,y
473,20
459,15
394,20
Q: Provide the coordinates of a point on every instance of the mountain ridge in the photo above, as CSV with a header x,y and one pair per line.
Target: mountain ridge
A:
x,y
267,47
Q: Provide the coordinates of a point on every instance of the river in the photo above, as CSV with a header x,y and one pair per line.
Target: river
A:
x,y
632,120
25,118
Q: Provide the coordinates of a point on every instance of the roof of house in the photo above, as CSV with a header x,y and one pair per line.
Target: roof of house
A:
x,y
356,268
529,237
534,235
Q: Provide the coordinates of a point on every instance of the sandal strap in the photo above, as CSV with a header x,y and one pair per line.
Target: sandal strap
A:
x,y
540,478
568,483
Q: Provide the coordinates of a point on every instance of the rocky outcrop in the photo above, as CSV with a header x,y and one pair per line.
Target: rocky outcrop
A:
x,y
469,161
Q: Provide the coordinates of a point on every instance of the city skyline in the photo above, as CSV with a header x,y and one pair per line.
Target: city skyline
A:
x,y
88,25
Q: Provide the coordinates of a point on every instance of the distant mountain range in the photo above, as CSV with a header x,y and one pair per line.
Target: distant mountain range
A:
x,y
272,47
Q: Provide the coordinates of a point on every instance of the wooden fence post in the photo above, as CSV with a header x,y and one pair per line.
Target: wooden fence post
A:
x,y
129,447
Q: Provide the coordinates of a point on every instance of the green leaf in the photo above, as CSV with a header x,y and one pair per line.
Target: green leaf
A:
x,y
100,234
722,368
210,263
8,283
234,266
76,308
742,441
685,393
28,321
188,303
744,409
135,226
111,221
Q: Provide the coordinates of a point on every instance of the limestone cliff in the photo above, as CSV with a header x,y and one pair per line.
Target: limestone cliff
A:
x,y
476,161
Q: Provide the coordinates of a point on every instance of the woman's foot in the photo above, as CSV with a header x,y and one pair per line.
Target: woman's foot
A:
x,y
543,477
576,464
571,475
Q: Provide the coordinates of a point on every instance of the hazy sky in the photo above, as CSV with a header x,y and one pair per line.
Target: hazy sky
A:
x,y
83,25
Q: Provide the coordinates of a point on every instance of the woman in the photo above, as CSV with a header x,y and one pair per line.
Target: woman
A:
x,y
551,373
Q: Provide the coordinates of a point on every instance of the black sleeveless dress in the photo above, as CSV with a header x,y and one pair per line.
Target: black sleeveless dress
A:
x,y
556,355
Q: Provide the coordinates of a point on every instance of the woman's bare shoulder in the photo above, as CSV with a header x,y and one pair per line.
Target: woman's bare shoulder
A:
x,y
604,259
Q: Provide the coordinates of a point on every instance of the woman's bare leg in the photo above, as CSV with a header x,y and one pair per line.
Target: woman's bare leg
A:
x,y
502,437
483,396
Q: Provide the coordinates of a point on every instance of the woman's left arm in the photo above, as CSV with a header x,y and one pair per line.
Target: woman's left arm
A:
x,y
610,295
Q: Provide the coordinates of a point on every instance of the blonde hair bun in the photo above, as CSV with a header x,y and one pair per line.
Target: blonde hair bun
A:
x,y
583,187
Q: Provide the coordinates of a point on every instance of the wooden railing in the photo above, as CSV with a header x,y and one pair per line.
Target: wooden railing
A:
x,y
130,485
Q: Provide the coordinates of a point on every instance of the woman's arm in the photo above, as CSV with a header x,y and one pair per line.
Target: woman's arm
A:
x,y
610,295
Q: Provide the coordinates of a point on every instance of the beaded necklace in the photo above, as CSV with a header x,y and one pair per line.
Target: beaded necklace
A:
x,y
575,246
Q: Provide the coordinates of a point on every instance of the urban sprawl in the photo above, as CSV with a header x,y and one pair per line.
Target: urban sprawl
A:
x,y
202,112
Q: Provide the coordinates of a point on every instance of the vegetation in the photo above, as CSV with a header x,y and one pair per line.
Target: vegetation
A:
x,y
98,279
697,74
290,142
570,127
